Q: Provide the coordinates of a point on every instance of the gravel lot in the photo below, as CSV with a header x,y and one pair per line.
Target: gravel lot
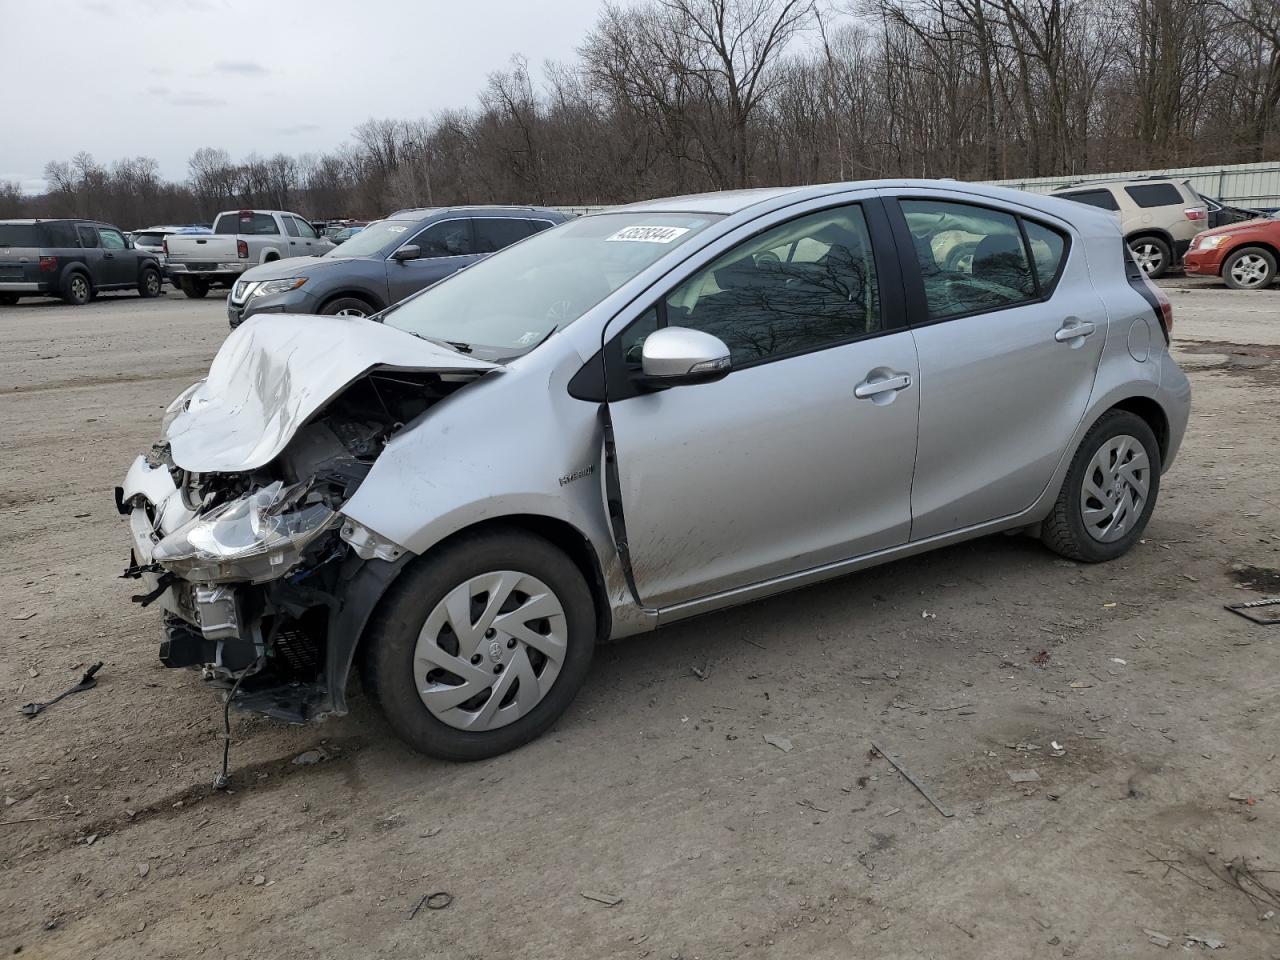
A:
x,y
658,787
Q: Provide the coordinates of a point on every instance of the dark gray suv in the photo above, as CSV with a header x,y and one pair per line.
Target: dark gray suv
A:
x,y
71,259
384,263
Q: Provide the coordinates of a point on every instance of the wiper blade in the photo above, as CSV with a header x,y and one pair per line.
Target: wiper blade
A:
x,y
460,347
448,344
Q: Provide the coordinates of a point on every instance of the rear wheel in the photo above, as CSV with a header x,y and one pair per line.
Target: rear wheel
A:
x,y
1109,492
77,290
1153,255
149,283
481,646
347,307
8,299
195,289
1249,268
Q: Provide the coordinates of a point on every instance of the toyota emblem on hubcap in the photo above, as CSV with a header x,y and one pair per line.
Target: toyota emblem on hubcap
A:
x,y
495,651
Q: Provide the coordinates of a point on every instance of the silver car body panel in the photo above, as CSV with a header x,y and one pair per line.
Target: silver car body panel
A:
x,y
274,372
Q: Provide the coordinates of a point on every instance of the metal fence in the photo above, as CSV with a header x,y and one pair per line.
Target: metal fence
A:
x,y
1246,184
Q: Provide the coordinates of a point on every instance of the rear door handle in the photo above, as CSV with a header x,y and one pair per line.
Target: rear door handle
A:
x,y
109,256
1070,331
871,388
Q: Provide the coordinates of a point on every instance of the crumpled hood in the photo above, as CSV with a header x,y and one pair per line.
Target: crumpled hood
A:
x,y
276,371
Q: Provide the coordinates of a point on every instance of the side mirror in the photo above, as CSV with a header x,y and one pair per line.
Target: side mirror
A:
x,y
411,252
676,356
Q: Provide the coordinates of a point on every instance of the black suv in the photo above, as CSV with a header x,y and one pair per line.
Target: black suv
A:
x,y
71,259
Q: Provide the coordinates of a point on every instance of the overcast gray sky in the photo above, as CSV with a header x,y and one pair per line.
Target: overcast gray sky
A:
x,y
160,78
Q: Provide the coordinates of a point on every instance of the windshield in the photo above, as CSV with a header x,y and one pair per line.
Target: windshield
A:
x,y
374,238
512,301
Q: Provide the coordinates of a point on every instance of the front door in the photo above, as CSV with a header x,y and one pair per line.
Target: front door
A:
x,y
445,247
119,262
1009,332
803,454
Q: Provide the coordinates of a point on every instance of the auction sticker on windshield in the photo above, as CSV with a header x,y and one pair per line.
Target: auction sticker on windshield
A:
x,y
649,234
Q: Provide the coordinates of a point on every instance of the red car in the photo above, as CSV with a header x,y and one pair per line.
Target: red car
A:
x,y
1243,254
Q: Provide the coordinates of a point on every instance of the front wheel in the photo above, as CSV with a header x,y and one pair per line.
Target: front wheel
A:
x,y
480,646
347,307
1250,268
1109,492
1153,255
149,283
8,299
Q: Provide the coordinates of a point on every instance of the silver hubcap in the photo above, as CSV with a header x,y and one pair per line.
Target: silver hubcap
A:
x,y
1250,270
1115,488
350,312
153,283
490,650
79,288
1148,256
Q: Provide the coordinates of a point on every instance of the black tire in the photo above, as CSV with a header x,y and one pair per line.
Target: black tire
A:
x,y
1064,531
1153,253
195,289
1263,272
76,288
8,299
388,661
350,306
150,283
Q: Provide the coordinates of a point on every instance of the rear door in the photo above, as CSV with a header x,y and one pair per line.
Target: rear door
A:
x,y
802,455
445,247
1009,340
91,254
119,263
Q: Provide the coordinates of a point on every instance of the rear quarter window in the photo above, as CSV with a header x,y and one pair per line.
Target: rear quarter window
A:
x,y
1155,195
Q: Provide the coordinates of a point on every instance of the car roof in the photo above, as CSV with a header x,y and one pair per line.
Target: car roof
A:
x,y
424,212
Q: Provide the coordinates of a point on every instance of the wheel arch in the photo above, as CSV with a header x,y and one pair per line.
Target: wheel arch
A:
x,y
355,294
367,584
1152,413
1158,232
1231,251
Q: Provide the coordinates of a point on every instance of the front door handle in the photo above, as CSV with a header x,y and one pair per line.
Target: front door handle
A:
x,y
1070,331
874,387
108,256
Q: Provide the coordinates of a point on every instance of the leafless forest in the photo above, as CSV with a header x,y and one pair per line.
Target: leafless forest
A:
x,y
673,96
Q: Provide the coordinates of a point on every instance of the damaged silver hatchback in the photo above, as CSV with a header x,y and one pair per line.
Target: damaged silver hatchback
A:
x,y
639,416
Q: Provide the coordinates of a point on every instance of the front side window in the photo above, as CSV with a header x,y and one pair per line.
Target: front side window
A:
x,y
305,230
802,286
291,227
111,239
87,234
448,238
1148,195
971,258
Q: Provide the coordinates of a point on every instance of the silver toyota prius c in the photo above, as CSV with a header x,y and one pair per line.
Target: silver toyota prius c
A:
x,y
638,416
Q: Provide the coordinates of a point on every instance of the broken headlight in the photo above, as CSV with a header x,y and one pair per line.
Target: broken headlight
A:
x,y
258,537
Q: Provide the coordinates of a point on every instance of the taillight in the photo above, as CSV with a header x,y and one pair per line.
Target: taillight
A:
x,y
1160,304
1166,312
242,249
1195,213
48,264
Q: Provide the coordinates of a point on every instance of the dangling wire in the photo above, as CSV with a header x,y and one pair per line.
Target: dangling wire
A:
x,y
223,780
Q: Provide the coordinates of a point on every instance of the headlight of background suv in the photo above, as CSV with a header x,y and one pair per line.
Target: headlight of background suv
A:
x,y
256,538
269,287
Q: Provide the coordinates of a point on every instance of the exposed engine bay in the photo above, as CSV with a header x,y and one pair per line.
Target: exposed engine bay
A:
x,y
255,570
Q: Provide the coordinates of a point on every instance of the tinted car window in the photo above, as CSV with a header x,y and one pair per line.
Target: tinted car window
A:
x,y
111,239
1047,247
448,238
992,272
148,239
21,235
1154,195
259,224
807,284
1094,198
537,226
87,234
58,234
494,233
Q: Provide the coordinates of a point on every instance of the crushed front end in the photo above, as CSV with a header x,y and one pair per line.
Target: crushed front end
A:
x,y
258,576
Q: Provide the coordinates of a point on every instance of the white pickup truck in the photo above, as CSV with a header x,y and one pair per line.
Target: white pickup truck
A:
x,y
241,239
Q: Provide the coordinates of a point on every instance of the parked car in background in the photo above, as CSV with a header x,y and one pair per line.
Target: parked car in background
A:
x,y
1158,216
241,239
385,262
640,416
151,239
1221,214
1244,255
72,259
345,234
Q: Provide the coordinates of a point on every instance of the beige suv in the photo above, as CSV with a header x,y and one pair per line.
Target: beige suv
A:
x,y
1158,216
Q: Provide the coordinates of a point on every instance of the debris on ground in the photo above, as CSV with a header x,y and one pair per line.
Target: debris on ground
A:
x,y
1159,939
1255,610
87,682
1241,798
896,762
608,899
143,869
1080,684
704,672
1058,749
775,740
1120,661
1041,659
310,757
1210,940
1023,776
432,901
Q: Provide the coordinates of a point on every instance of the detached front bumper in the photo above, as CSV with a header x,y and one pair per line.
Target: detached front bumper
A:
x,y
288,619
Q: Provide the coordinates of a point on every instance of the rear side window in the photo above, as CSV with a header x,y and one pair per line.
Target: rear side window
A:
x,y
1094,198
448,238
22,235
1154,195
494,233
252,224
972,259
87,234
537,226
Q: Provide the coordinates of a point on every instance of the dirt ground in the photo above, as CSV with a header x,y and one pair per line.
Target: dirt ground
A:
x,y
658,787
